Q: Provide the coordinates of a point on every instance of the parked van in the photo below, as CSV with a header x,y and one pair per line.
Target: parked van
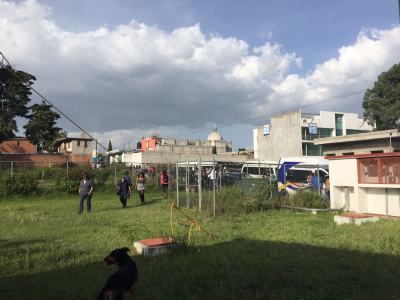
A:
x,y
294,172
259,169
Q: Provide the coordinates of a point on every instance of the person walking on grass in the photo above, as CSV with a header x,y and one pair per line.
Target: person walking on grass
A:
x,y
85,193
164,181
128,180
140,186
124,189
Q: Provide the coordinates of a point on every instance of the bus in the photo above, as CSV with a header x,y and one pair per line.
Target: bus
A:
x,y
294,172
259,169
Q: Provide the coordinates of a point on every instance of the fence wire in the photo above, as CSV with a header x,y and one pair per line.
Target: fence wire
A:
x,y
211,186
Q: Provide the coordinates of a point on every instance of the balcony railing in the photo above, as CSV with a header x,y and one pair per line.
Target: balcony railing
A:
x,y
379,170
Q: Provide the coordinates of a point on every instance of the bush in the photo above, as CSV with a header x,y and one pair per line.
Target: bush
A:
x,y
49,173
306,199
21,183
246,196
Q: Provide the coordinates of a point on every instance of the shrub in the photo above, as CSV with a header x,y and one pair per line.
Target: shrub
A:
x,y
21,183
306,199
245,196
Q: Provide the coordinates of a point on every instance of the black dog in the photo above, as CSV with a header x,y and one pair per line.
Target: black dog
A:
x,y
121,281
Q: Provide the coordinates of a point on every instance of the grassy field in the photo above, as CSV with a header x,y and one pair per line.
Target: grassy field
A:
x,y
48,251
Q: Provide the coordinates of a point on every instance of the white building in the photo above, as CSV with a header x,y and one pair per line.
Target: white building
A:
x,y
366,183
293,133
75,146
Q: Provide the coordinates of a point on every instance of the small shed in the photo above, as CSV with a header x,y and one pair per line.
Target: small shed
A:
x,y
366,183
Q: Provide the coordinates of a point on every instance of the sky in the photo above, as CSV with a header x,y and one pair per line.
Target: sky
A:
x,y
125,69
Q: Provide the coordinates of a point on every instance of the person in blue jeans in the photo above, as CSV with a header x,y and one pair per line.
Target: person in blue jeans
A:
x,y
316,182
85,193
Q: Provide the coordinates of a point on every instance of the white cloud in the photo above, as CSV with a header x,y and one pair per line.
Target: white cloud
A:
x,y
355,68
137,76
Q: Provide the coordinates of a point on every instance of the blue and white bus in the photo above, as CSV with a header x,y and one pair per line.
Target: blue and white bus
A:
x,y
294,172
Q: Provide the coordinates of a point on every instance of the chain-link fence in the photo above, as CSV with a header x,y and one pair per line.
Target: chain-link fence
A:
x,y
212,186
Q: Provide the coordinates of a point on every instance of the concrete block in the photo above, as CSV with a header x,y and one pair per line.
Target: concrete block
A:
x,y
356,219
154,246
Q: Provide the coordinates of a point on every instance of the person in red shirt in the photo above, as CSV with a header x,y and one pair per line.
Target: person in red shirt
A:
x,y
164,181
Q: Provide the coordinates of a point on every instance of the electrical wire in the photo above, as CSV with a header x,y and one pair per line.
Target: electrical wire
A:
x,y
240,121
2,64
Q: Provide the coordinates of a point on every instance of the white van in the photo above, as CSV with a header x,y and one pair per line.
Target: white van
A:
x,y
259,169
294,172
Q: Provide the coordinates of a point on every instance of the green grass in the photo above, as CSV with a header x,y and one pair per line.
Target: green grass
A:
x,y
48,251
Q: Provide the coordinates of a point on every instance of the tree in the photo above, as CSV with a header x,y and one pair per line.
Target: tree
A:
x,y
41,129
382,103
14,97
109,149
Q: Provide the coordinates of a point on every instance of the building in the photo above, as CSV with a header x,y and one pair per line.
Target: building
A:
x,y
214,142
366,183
18,145
293,133
159,157
21,152
385,141
157,150
78,150
74,146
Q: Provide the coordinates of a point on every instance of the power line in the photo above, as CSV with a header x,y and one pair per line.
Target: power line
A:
x,y
2,64
322,101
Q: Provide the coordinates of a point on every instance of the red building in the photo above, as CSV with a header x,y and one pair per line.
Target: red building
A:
x,y
149,143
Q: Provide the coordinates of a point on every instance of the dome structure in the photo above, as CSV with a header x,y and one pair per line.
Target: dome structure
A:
x,y
214,136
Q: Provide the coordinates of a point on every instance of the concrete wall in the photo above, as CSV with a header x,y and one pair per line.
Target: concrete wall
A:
x,y
284,138
361,147
342,183
156,157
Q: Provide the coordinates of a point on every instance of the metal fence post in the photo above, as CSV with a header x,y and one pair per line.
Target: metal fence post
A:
x,y
270,180
115,173
67,170
187,186
213,170
259,168
318,181
177,183
199,183
12,171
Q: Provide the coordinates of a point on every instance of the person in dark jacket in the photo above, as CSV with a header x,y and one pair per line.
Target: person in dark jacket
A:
x,y
85,193
124,190
128,180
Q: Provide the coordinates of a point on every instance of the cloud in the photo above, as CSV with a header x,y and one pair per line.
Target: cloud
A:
x,y
134,77
355,68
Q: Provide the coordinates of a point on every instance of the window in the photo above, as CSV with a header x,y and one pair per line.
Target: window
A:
x,y
79,143
299,176
310,149
383,170
85,144
330,154
354,131
348,153
322,132
339,124
17,143
377,151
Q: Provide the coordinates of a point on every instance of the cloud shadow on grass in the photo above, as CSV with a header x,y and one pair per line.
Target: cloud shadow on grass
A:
x,y
238,269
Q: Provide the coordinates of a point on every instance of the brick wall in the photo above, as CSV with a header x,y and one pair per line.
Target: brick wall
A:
x,y
39,160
